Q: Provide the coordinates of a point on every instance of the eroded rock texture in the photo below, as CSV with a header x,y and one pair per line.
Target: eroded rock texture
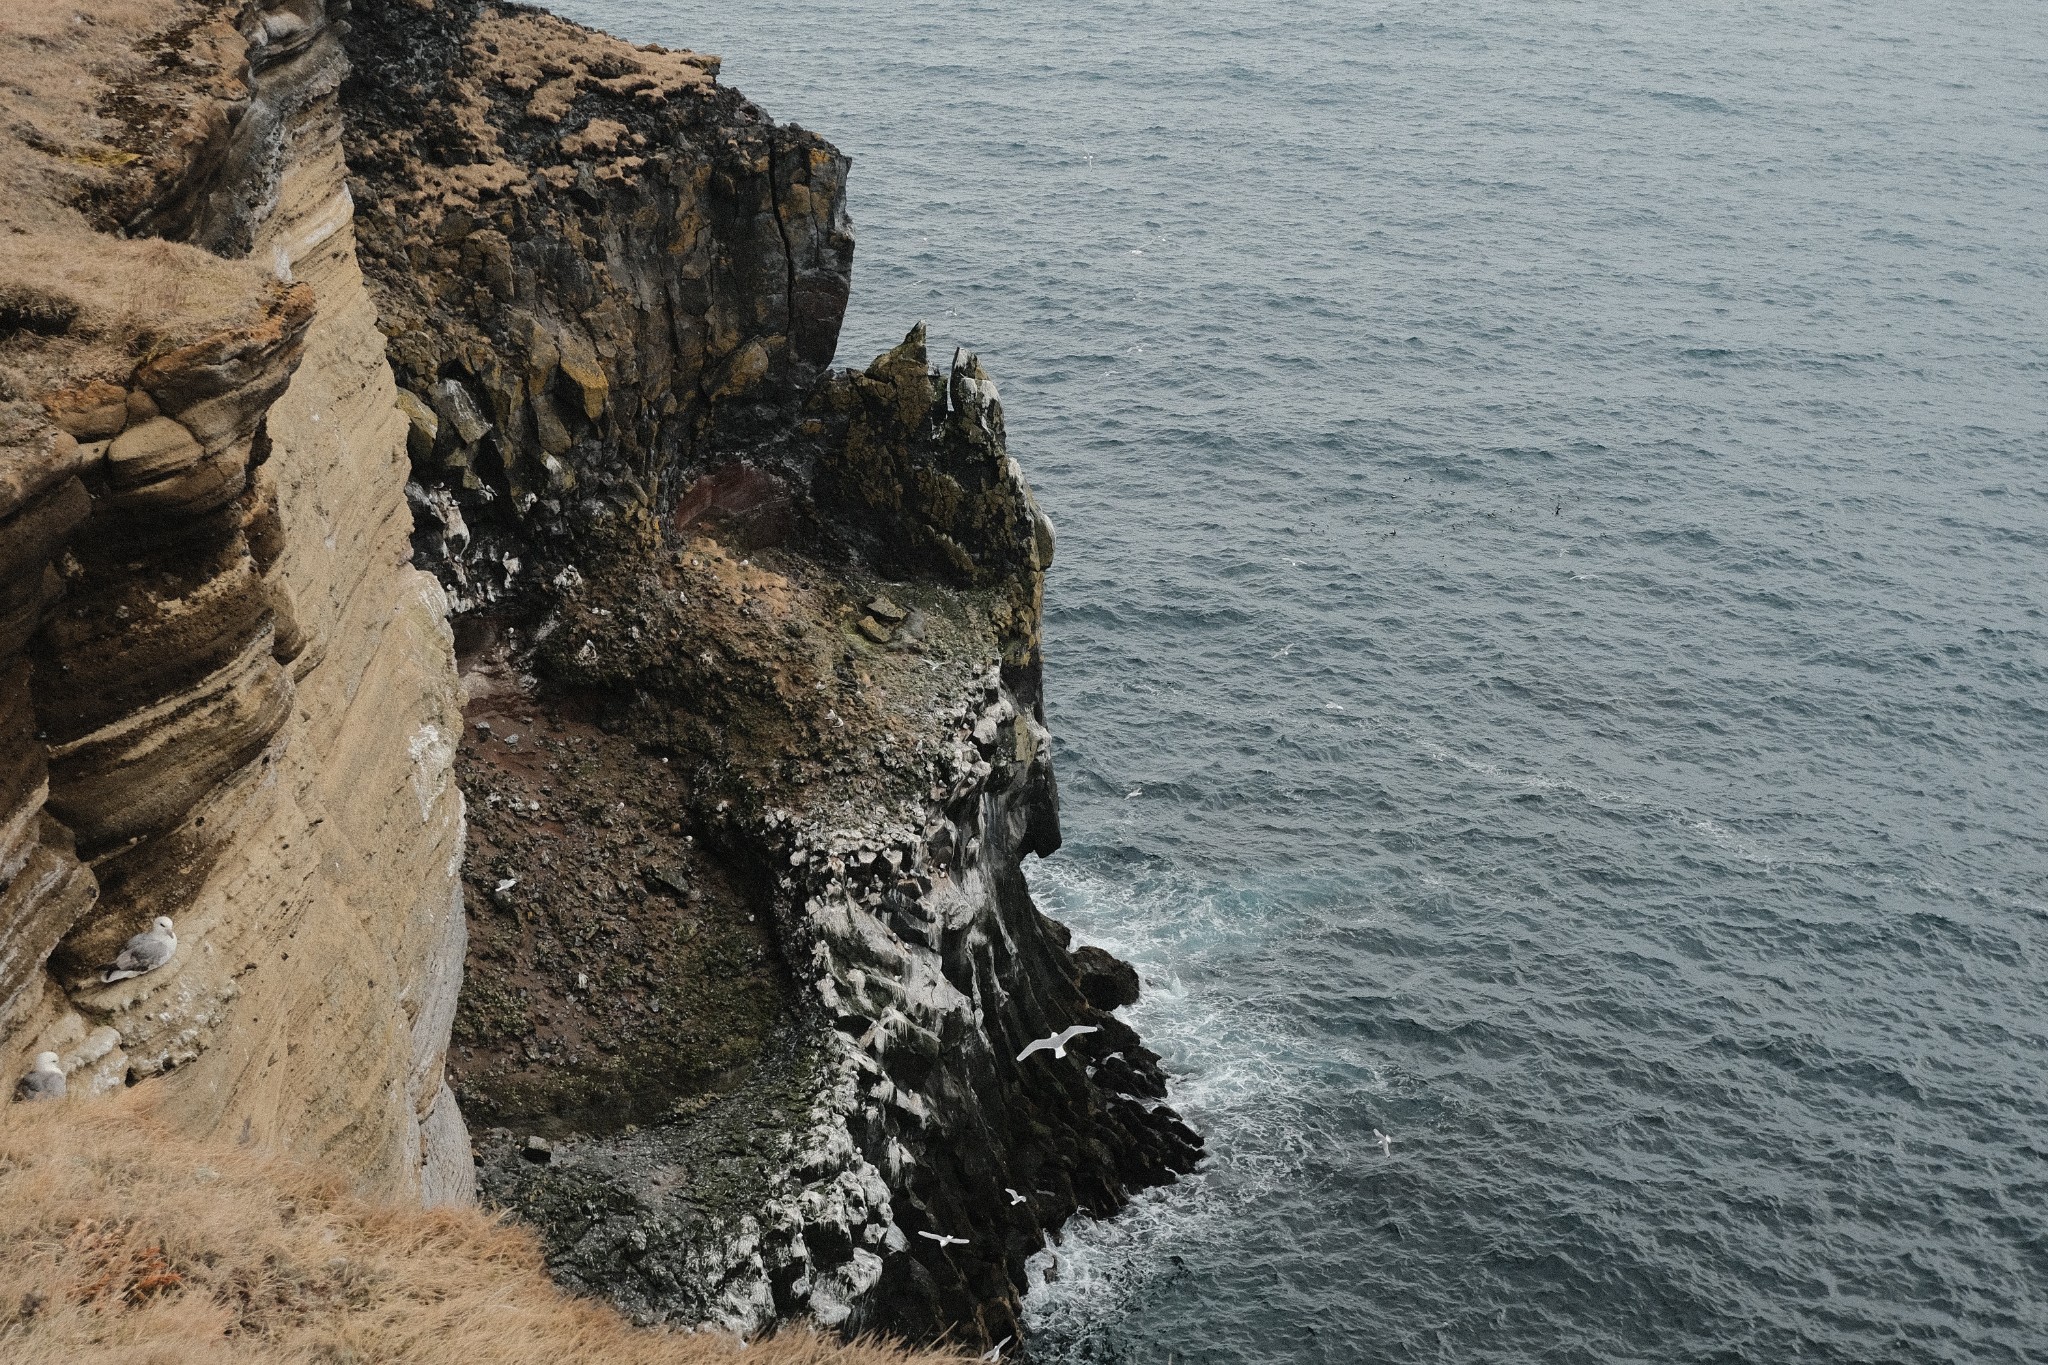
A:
x,y
596,267
227,697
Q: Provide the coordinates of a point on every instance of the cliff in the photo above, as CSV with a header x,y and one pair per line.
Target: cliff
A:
x,y
446,392
227,696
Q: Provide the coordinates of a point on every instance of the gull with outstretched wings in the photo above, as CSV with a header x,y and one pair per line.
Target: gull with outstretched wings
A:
x,y
1058,1041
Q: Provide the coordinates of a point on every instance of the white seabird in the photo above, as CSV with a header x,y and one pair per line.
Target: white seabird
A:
x,y
1058,1041
45,1082
1386,1143
145,952
1015,1198
943,1240
995,1352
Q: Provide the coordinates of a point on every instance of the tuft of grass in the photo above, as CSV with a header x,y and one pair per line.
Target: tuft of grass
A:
x,y
122,1243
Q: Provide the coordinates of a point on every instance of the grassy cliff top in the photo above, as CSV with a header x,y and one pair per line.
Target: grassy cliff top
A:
x,y
120,1241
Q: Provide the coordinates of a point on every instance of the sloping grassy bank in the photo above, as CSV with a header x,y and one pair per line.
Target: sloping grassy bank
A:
x,y
120,1242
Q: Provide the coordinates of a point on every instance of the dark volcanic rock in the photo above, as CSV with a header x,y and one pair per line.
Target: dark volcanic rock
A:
x,y
784,626
1108,982
617,265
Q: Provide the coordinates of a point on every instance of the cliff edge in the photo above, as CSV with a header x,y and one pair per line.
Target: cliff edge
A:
x,y
122,1239
226,696
420,391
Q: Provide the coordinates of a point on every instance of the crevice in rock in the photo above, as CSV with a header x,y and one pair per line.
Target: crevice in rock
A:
x,y
777,190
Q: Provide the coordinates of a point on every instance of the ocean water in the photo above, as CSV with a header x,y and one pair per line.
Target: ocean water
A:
x,y
1548,646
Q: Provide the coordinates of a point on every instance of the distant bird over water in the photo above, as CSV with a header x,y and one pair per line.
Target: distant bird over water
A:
x,y
145,952
45,1082
1058,1041
1386,1143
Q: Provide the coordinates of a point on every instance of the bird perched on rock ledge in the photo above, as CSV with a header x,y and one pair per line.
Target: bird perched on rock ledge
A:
x,y
45,1082
145,952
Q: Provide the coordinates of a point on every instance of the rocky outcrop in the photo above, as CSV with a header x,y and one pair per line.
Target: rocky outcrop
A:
x,y
600,271
754,649
228,699
810,603
888,1109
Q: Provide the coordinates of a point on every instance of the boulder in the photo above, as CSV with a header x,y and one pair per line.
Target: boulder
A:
x,y
155,449
1108,981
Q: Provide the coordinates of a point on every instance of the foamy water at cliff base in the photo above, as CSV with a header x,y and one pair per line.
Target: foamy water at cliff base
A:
x,y
1547,645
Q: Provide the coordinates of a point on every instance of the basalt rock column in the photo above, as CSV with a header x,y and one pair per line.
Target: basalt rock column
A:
x,y
600,272
810,604
880,785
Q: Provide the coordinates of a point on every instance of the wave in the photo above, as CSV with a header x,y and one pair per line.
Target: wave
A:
x,y
1241,1075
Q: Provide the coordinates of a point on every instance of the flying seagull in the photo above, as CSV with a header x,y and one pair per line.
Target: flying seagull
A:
x,y
1058,1041
1386,1143
995,1352
1015,1198
46,1082
145,952
943,1240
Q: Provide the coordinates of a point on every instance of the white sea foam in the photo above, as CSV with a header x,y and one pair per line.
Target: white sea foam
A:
x,y
1237,1075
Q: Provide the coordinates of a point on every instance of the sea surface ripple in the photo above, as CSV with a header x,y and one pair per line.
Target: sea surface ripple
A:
x,y
1547,646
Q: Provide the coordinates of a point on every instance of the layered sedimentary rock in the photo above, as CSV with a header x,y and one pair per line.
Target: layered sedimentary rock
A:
x,y
228,697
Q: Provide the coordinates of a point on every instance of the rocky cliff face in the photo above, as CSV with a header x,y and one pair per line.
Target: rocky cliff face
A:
x,y
774,632
754,734
228,697
600,271
869,773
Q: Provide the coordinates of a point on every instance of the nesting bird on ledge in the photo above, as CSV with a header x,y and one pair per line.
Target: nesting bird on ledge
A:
x,y
145,952
45,1082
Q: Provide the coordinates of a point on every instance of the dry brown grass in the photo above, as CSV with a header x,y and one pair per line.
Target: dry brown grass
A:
x,y
120,1242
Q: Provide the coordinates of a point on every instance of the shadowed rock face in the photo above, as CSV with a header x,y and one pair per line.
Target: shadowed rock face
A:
x,y
810,603
875,797
598,270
